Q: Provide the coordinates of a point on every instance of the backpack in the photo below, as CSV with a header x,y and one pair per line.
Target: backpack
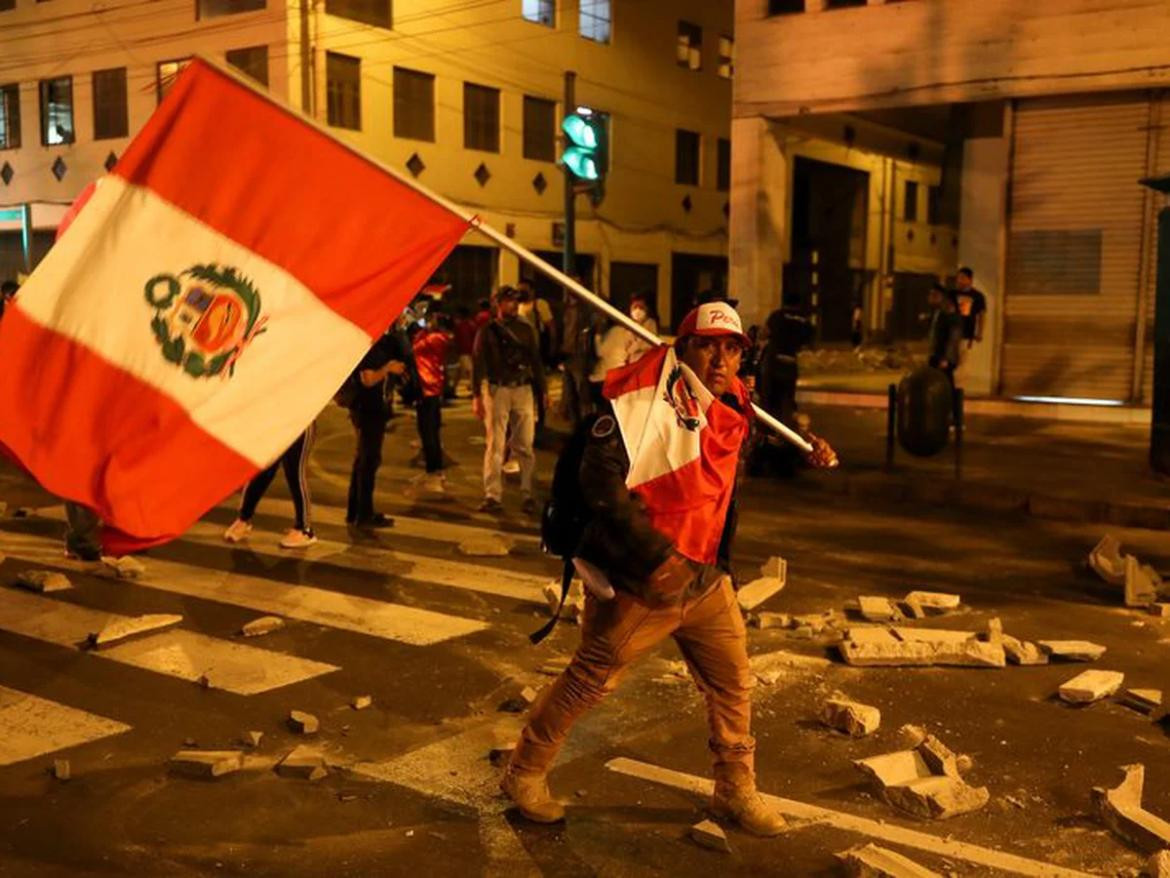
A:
x,y
565,515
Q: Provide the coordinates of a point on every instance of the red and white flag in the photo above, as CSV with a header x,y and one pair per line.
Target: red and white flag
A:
x,y
683,446
205,305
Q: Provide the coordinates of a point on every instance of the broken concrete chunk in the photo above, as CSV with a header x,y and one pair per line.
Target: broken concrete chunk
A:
x,y
1023,652
877,609
710,835
935,603
932,635
1090,686
43,581
1141,583
62,769
130,627
1106,561
941,759
1159,865
1161,610
207,763
912,609
871,861
574,607
758,591
894,769
1143,700
765,619
867,647
361,702
554,667
252,738
303,723
910,736
1120,809
124,567
263,625
1072,650
775,568
303,762
489,545
851,717
937,797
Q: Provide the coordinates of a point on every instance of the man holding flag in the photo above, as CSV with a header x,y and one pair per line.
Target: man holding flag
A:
x,y
659,478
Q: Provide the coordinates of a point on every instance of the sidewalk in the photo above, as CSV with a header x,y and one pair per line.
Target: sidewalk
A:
x,y
1069,471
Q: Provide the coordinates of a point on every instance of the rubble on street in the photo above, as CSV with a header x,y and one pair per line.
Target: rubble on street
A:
x,y
913,647
124,567
574,607
1072,650
43,581
303,723
304,762
924,782
850,717
710,834
130,627
487,546
773,577
1107,562
1090,686
1120,809
207,763
263,625
872,861
1143,700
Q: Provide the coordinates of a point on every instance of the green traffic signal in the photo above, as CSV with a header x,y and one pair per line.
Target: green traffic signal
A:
x,y
580,131
582,155
581,163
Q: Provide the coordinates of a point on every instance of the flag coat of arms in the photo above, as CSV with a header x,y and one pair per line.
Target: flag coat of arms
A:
x,y
204,305
683,446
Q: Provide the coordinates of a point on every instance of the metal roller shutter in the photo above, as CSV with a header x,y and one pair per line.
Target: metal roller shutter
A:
x,y
1075,246
1159,166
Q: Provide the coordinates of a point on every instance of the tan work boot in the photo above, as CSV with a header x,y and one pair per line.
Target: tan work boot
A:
x,y
736,799
529,792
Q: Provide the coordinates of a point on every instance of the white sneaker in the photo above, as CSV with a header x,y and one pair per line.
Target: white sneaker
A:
x,y
238,531
435,484
512,468
298,539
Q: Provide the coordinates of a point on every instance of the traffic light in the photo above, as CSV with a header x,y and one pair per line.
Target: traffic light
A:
x,y
586,150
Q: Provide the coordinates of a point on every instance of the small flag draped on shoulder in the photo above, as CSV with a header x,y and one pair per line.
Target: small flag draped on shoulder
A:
x,y
210,296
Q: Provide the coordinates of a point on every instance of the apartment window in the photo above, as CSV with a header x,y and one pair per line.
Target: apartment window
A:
x,y
252,62
481,117
343,91
540,129
375,12
723,165
726,57
414,105
109,104
690,46
56,110
686,157
165,74
595,21
216,8
934,205
539,11
9,116
910,202
785,7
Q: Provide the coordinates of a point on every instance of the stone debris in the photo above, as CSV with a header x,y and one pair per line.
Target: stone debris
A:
x,y
303,723
252,739
935,603
361,702
758,591
709,834
766,620
520,702
1072,650
43,581
1142,700
207,763
554,667
770,677
926,781
775,568
1023,652
1090,686
1161,610
1120,809
898,647
574,607
911,609
1141,583
1159,865
124,567
910,736
263,625
939,757
62,769
871,861
489,545
937,798
851,717
878,609
303,762
1106,561
126,628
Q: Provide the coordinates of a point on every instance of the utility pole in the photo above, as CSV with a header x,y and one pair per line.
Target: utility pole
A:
x,y
569,264
1160,415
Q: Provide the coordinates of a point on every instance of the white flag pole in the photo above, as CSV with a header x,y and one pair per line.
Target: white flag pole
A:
x,y
503,240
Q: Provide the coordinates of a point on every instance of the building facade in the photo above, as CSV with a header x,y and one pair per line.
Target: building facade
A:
x,y
1005,136
467,97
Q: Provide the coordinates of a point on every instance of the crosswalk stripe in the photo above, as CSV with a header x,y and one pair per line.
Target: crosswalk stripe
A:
x,y
305,603
188,655
32,726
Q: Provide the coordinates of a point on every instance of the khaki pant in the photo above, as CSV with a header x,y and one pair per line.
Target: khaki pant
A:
x,y
709,631
506,407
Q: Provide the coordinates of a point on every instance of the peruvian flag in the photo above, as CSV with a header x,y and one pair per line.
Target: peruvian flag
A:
x,y
208,300
683,446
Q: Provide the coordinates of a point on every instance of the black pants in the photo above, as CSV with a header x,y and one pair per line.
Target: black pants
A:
x,y
371,430
293,462
430,411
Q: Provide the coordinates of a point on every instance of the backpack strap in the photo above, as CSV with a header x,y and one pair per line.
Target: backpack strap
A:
x,y
546,629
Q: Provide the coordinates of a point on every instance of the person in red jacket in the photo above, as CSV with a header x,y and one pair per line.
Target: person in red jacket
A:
x,y
430,345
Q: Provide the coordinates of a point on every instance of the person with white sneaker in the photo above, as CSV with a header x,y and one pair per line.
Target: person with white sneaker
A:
x,y
293,462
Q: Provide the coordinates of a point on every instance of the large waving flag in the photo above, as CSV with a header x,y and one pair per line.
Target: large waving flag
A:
x,y
204,306
683,446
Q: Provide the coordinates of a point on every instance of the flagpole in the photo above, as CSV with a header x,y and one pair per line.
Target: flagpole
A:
x,y
483,228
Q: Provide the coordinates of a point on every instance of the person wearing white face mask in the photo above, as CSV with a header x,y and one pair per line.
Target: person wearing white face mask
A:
x,y
636,345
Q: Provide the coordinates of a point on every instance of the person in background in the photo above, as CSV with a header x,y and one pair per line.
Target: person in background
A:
x,y
294,462
610,346
946,331
429,343
483,315
786,332
537,313
508,373
636,346
464,336
972,306
578,354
